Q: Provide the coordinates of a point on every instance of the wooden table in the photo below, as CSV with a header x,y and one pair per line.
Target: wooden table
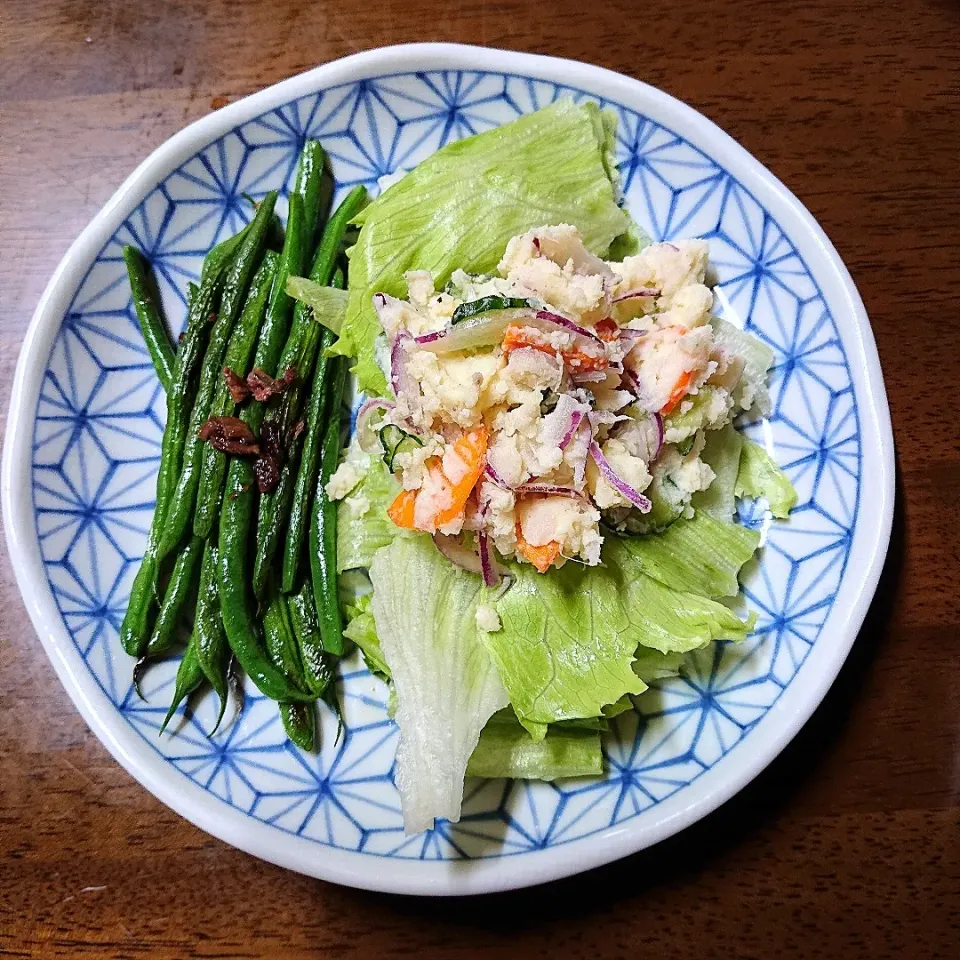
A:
x,y
849,844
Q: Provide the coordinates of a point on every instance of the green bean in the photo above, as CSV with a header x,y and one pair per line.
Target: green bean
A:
x,y
317,669
280,639
236,285
134,631
189,677
155,333
192,291
274,507
241,628
300,723
321,271
323,522
300,352
213,652
179,590
299,719
222,253
277,323
310,184
307,472
213,465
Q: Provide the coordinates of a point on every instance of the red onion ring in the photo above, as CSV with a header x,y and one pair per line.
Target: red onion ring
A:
x,y
578,455
566,324
492,474
621,486
430,337
365,437
489,568
402,384
658,420
635,294
549,489
575,421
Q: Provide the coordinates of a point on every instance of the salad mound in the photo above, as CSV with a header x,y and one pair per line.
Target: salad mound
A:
x,y
566,393
538,506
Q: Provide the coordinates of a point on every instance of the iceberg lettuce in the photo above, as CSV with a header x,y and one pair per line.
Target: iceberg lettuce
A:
x,y
446,683
568,640
721,452
701,555
361,628
505,749
759,477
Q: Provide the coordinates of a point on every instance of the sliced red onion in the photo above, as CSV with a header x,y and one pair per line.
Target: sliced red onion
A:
x,y
430,337
548,489
366,435
558,424
454,550
492,474
575,421
484,330
554,319
645,292
402,383
630,333
621,486
658,421
489,567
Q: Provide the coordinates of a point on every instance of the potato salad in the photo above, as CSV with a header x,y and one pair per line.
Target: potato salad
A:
x,y
561,396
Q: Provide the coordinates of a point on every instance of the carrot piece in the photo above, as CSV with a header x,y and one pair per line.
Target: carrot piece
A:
x,y
678,392
516,336
471,448
401,510
541,557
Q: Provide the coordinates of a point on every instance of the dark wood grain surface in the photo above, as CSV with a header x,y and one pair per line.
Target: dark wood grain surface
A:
x,y
849,844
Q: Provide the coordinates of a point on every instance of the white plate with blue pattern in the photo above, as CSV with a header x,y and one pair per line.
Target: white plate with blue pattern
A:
x,y
83,440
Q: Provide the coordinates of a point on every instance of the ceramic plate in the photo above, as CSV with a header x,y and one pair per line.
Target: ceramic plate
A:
x,y
83,443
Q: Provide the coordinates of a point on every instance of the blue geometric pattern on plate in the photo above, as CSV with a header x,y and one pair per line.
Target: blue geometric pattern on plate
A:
x,y
100,419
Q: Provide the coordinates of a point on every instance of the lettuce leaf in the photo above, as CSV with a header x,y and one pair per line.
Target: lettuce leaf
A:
x,y
568,639
460,206
651,665
722,453
363,526
674,621
505,749
701,555
329,304
759,477
566,644
447,685
362,630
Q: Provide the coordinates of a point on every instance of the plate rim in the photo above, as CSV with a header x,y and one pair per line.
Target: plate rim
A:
x,y
231,825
